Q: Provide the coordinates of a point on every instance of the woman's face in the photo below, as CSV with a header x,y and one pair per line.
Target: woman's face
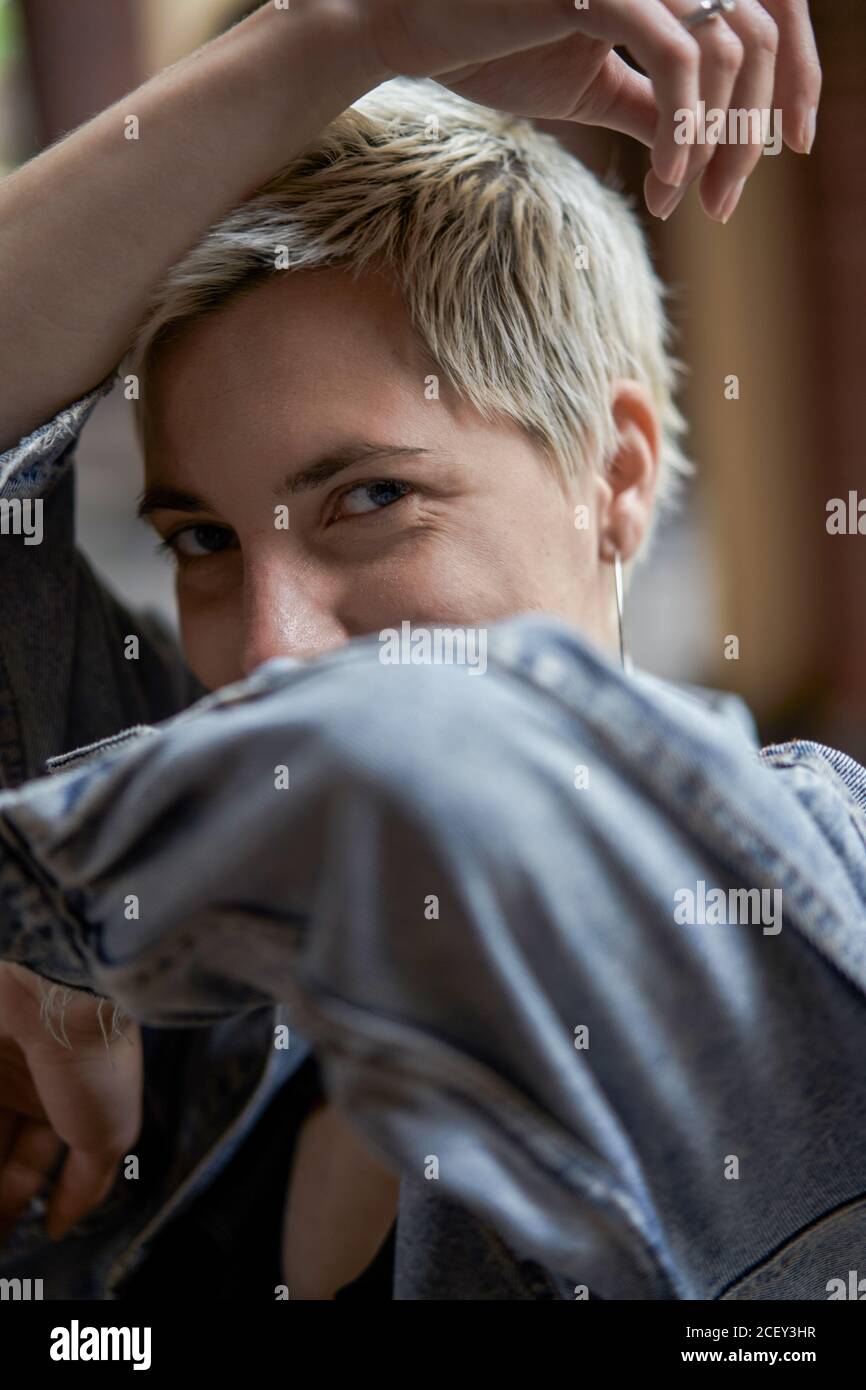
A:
x,y
311,393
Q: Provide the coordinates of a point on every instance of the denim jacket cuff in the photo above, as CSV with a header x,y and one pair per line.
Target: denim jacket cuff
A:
x,y
32,467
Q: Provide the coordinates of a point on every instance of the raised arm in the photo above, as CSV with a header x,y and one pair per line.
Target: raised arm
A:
x,y
90,226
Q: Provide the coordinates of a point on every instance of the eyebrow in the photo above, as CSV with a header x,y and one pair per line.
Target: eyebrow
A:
x,y
321,470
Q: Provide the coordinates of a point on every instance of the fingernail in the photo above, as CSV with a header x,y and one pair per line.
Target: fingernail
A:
x,y
732,200
672,175
809,127
680,169
667,205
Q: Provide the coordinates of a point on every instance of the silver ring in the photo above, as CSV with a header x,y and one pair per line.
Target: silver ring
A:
x,y
708,9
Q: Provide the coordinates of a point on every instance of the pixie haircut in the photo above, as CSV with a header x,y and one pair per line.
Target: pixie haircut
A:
x,y
527,280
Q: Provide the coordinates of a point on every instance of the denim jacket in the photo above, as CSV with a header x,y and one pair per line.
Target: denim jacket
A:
x,y
580,1089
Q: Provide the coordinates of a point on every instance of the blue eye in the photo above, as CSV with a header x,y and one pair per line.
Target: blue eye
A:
x,y
375,496
195,542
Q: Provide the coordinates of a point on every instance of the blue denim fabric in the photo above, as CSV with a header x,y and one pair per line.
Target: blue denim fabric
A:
x,y
452,1038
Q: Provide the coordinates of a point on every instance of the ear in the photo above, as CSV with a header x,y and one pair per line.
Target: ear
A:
x,y
627,490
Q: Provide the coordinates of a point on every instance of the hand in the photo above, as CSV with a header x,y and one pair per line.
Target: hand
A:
x,y
548,59
86,1096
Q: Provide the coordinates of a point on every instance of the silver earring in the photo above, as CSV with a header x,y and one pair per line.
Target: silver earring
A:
x,y
617,574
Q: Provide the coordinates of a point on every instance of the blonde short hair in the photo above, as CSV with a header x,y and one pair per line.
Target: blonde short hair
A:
x,y
527,280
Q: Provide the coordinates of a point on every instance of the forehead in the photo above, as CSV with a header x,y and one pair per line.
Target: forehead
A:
x,y
287,356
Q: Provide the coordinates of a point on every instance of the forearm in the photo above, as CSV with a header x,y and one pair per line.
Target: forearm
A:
x,y
88,228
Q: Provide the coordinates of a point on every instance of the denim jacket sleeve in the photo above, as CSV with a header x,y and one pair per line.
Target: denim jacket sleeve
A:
x,y
66,684
400,855
64,677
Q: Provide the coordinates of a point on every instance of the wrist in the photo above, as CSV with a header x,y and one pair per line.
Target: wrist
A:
x,y
273,83
328,43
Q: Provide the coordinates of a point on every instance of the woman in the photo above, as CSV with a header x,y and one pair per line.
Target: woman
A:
x,y
420,379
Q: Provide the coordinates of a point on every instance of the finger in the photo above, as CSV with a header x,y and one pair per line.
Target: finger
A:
x,y
620,99
752,100
84,1183
92,1098
28,1166
798,72
722,55
670,56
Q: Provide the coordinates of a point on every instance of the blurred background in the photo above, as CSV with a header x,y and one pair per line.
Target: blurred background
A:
x,y
777,298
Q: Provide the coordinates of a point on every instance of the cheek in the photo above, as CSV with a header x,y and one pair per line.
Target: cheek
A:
x,y
472,573
212,640
552,550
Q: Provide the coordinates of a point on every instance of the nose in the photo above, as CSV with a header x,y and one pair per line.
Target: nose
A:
x,y
288,615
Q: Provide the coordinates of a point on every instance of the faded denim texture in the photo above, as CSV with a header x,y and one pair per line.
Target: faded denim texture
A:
x,y
454,1037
